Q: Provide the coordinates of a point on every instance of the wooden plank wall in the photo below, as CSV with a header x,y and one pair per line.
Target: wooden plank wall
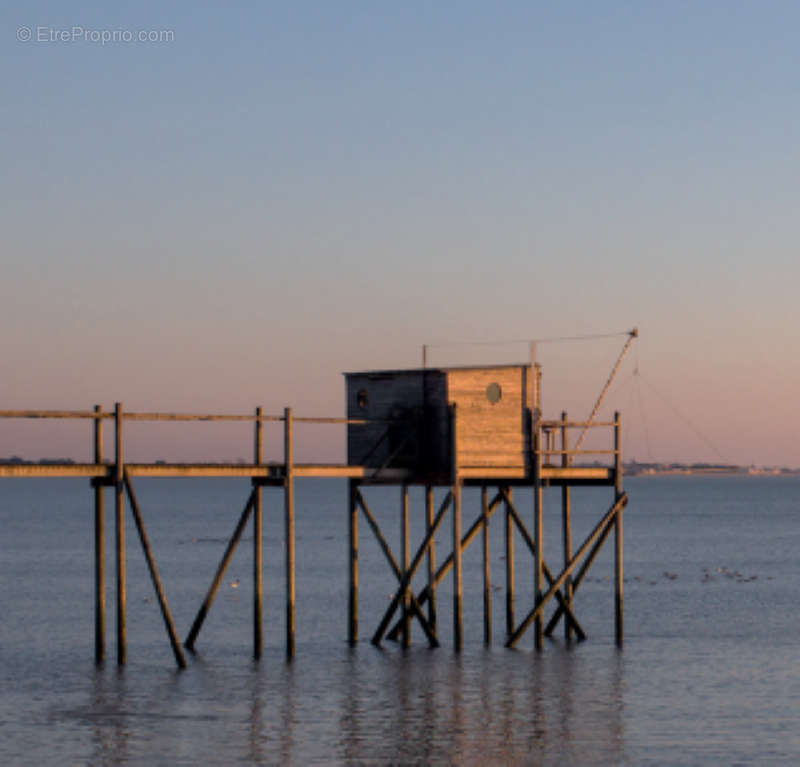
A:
x,y
490,434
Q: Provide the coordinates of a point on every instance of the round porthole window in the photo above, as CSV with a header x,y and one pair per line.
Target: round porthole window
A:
x,y
362,399
494,393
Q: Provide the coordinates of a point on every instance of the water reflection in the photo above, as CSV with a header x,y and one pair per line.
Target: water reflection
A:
x,y
108,720
352,706
499,706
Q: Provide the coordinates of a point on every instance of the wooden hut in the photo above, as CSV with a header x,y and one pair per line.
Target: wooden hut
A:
x,y
408,418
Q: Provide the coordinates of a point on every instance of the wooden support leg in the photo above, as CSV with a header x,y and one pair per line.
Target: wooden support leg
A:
x,y
509,530
566,530
566,522
258,593
99,548
537,579
405,555
352,633
487,580
151,564
223,565
618,578
458,638
119,530
618,531
431,559
289,508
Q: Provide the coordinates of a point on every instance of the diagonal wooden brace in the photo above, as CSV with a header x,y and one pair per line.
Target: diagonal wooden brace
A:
x,y
607,520
151,564
404,579
424,594
226,558
564,608
584,568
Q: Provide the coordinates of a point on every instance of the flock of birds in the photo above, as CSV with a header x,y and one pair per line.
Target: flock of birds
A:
x,y
708,576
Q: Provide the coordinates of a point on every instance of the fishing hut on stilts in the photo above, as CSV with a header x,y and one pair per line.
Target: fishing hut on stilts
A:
x,y
452,427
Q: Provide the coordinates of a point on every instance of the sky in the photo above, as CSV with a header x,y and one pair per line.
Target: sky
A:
x,y
262,196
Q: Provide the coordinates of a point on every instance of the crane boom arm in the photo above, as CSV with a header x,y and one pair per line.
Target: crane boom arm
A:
x,y
631,336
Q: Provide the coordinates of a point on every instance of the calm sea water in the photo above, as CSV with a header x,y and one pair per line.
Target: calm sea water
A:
x,y
708,674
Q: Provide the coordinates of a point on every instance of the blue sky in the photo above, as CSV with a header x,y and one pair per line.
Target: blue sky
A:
x,y
279,193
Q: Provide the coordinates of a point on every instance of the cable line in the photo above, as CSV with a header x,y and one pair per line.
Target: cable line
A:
x,y
686,420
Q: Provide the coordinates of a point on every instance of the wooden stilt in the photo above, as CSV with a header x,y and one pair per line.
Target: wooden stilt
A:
x,y
405,556
431,558
487,580
566,522
223,565
119,528
537,531
457,577
509,531
258,593
99,548
618,580
151,564
352,634
289,509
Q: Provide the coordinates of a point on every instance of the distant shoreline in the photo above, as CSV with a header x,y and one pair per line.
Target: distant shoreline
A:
x,y
675,469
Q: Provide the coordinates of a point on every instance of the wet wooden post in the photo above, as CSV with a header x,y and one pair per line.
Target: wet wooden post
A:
x,y
258,593
405,557
99,546
352,633
509,531
120,534
537,526
456,491
566,523
487,581
289,509
431,558
618,531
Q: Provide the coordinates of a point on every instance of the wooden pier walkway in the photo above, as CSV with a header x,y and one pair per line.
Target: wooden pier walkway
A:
x,y
545,464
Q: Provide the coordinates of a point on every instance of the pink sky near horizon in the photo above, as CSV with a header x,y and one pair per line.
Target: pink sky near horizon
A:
x,y
233,218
